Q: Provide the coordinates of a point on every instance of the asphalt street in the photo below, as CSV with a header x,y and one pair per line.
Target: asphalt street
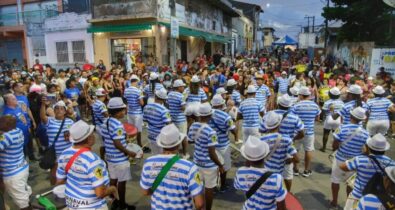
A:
x,y
313,192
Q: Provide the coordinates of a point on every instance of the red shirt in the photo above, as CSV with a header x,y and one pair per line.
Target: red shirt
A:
x,y
39,67
87,67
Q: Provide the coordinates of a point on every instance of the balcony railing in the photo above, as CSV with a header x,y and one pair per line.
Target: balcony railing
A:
x,y
22,18
107,9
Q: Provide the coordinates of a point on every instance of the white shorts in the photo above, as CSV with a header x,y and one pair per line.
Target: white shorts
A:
x,y
121,172
351,203
136,121
155,149
182,127
250,132
307,142
225,153
210,177
288,173
18,189
339,176
331,124
377,126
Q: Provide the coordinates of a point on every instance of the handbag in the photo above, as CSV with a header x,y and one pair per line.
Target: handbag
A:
x,y
49,157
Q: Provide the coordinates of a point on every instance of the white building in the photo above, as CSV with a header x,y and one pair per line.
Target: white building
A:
x,y
307,40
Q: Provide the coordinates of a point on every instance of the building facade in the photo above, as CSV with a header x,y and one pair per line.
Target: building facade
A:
x,y
268,34
242,39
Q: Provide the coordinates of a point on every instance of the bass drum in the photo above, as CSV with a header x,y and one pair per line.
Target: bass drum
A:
x,y
292,202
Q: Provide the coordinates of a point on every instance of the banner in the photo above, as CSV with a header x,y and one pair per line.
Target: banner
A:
x,y
383,58
174,27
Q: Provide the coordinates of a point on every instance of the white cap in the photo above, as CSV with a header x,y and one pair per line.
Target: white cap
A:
x,y
359,113
61,104
285,101
153,76
335,91
162,93
378,143
355,89
178,83
205,109
379,90
116,103
231,82
101,92
390,171
284,72
304,91
272,120
294,90
254,149
251,89
80,130
221,90
195,79
217,100
135,77
169,136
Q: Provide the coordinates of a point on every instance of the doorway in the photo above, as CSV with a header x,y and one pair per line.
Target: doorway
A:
x,y
184,51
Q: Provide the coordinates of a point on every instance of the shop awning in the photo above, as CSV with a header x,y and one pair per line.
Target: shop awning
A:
x,y
120,28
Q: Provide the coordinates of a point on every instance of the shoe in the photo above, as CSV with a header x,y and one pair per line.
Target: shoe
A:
x,y
322,149
186,157
307,173
146,150
296,172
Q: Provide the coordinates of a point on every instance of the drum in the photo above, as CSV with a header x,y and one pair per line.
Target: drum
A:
x,y
59,191
136,149
131,130
292,202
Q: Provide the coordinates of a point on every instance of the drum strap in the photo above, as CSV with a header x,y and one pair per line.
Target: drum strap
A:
x,y
346,141
166,168
258,183
74,157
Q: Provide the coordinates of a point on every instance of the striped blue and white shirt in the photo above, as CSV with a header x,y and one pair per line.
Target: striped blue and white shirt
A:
x,y
337,105
200,97
53,126
180,185
370,202
353,147
285,150
222,123
133,96
114,132
347,108
262,94
12,158
291,125
99,108
282,85
207,137
86,173
157,116
148,92
378,108
176,101
268,194
366,168
236,97
250,109
307,111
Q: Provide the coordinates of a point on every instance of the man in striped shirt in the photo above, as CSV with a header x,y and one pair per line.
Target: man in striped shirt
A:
x,y
348,141
181,188
222,123
176,102
282,83
308,112
86,179
99,114
262,91
365,167
14,170
354,100
271,194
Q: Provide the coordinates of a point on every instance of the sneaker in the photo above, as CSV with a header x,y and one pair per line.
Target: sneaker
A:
x,y
306,173
296,172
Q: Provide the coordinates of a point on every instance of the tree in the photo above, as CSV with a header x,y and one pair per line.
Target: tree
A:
x,y
364,20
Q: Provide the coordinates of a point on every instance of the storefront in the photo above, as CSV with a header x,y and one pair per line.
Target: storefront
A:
x,y
144,48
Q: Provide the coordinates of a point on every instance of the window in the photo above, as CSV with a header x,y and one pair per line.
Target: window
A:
x,y
38,44
214,24
62,52
78,51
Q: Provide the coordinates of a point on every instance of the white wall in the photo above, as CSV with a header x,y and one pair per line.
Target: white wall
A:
x,y
307,40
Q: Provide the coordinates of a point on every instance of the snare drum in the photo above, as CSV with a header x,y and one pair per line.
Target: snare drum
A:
x,y
351,181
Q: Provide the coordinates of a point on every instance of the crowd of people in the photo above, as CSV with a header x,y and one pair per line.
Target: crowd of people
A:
x,y
265,107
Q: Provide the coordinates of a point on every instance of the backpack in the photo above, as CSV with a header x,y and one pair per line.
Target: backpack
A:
x,y
375,184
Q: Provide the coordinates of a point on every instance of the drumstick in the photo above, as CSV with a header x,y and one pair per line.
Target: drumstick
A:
x,y
44,194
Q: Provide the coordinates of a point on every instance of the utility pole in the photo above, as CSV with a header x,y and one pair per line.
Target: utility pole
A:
x,y
326,27
313,23
173,41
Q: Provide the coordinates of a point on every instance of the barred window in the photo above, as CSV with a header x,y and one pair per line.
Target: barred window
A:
x,y
38,44
62,52
78,51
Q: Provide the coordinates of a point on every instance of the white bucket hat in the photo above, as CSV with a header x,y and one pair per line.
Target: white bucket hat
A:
x,y
272,120
80,130
359,113
231,82
169,136
251,89
195,79
355,89
60,104
254,149
378,142
162,94
285,101
390,171
283,73
101,92
294,90
178,83
335,91
304,91
116,103
205,109
217,100
379,90
221,90
153,76
135,77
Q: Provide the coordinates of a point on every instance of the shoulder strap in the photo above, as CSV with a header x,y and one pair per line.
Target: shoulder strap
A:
x,y
352,136
276,144
387,201
197,134
258,183
60,129
166,168
377,163
72,159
